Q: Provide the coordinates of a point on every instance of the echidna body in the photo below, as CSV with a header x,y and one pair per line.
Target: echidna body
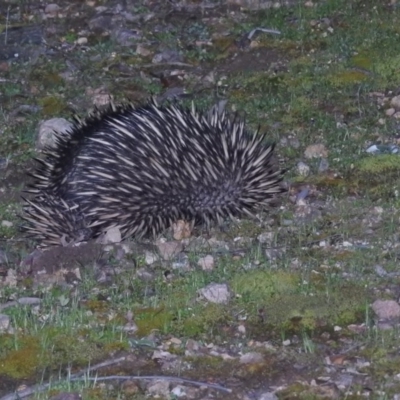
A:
x,y
142,168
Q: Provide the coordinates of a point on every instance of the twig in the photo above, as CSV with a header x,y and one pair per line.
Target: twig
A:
x,y
7,19
156,377
81,376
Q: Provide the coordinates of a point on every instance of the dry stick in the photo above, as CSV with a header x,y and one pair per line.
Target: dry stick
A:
x,y
7,20
80,376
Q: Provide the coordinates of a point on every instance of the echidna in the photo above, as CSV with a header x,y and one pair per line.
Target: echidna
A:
x,y
142,168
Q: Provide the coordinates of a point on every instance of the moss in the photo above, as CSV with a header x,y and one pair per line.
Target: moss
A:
x,y
209,317
246,228
152,319
24,361
286,306
348,77
205,363
258,83
116,346
72,350
388,69
378,165
377,175
52,105
256,286
298,312
362,61
97,306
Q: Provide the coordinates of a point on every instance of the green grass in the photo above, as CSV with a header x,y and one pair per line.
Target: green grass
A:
x,y
312,83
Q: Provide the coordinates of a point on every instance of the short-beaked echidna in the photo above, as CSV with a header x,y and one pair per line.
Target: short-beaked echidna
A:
x,y
142,168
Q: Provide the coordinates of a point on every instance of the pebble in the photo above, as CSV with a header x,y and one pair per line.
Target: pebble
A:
x,y
395,102
206,263
215,293
316,151
178,391
150,258
251,358
159,388
51,10
303,169
169,250
47,129
390,111
113,235
386,309
4,322
7,224
267,396
29,301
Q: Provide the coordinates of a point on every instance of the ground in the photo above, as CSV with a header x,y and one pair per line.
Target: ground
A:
x,y
300,303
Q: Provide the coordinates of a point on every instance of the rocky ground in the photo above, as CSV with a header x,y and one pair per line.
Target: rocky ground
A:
x,y
301,303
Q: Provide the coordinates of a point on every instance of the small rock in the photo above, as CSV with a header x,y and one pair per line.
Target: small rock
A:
x,y
169,250
159,388
266,237
303,169
150,258
251,358
386,309
29,301
380,271
130,388
130,327
163,355
253,4
52,10
11,278
274,254
181,261
192,345
167,56
4,163
390,111
100,23
337,328
316,151
396,115
7,224
175,341
3,257
82,40
323,165
178,391
395,103
142,51
47,130
125,37
215,293
100,96
182,230
206,263
241,329
113,235
267,396
4,322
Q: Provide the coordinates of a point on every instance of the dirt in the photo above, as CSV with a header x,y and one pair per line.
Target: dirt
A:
x,y
301,277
